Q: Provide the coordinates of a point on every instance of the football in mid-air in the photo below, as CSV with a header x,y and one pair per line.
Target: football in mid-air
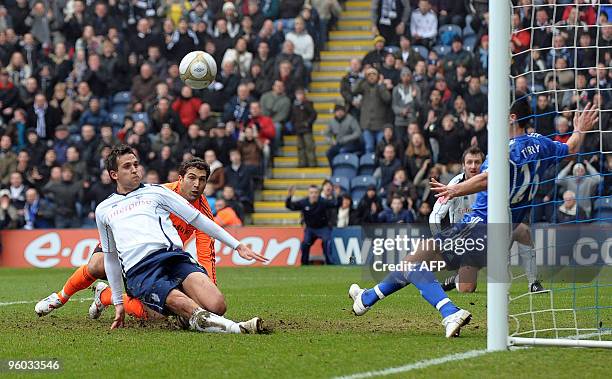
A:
x,y
198,69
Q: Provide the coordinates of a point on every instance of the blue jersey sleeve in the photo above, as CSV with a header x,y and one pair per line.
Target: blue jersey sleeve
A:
x,y
555,149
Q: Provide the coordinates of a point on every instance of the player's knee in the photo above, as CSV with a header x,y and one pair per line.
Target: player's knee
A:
x,y
95,266
218,305
466,287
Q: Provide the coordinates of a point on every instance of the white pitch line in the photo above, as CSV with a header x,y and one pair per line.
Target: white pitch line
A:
x,y
416,365
4,304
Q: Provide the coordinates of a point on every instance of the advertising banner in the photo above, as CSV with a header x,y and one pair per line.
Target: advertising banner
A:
x,y
73,247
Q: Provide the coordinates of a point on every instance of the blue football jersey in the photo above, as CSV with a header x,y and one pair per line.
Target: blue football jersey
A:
x,y
530,156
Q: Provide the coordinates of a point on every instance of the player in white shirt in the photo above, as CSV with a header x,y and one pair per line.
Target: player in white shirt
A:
x,y
451,212
142,246
445,214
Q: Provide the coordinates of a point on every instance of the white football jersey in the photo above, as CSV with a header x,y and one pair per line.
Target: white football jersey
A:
x,y
137,224
452,211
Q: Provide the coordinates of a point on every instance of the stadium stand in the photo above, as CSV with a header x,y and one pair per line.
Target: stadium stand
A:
x,y
55,57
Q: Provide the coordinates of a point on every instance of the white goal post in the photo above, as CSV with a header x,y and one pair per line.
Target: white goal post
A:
x,y
498,279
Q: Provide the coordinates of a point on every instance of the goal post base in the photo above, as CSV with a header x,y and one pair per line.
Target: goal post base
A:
x,y
523,341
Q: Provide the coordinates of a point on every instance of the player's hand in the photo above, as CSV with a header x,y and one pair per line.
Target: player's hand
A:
x,y
119,317
443,191
248,254
291,191
584,121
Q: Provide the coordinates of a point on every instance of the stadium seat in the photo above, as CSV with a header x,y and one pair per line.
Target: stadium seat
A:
x,y
117,119
141,116
341,181
447,32
392,49
345,164
359,186
468,31
422,50
122,98
603,209
119,108
469,43
441,50
367,164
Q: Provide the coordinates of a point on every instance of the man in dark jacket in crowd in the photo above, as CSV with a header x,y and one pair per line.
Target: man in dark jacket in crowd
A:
x,y
97,193
240,177
396,214
344,133
314,212
303,116
65,195
43,117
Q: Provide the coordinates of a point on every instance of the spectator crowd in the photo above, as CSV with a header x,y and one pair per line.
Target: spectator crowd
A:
x,y
78,76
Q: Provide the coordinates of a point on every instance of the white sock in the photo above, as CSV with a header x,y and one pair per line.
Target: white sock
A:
x,y
204,321
528,256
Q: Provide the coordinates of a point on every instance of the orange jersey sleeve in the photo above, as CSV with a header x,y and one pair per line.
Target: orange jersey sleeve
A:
x,y
205,246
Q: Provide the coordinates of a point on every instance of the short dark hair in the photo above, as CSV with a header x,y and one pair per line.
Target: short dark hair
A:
x,y
118,150
472,151
197,163
520,107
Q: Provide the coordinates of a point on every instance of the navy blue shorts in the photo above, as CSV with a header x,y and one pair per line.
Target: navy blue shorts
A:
x,y
464,244
152,279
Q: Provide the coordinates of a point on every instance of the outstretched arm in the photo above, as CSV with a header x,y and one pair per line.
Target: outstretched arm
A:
x,y
475,184
174,203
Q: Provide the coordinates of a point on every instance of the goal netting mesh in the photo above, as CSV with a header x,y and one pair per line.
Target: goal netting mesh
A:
x,y
561,59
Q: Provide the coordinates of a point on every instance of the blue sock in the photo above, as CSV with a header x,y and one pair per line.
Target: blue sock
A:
x,y
431,291
395,281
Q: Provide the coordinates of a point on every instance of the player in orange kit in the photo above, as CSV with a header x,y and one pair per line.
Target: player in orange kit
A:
x,y
193,175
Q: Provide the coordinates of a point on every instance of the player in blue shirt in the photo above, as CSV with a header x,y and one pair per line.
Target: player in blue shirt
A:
x,y
530,155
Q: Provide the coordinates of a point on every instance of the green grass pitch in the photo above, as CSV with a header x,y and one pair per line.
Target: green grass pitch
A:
x,y
313,333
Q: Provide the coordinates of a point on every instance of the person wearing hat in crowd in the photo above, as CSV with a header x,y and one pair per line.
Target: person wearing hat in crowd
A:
x,y
390,18
376,57
457,56
374,104
61,142
344,133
